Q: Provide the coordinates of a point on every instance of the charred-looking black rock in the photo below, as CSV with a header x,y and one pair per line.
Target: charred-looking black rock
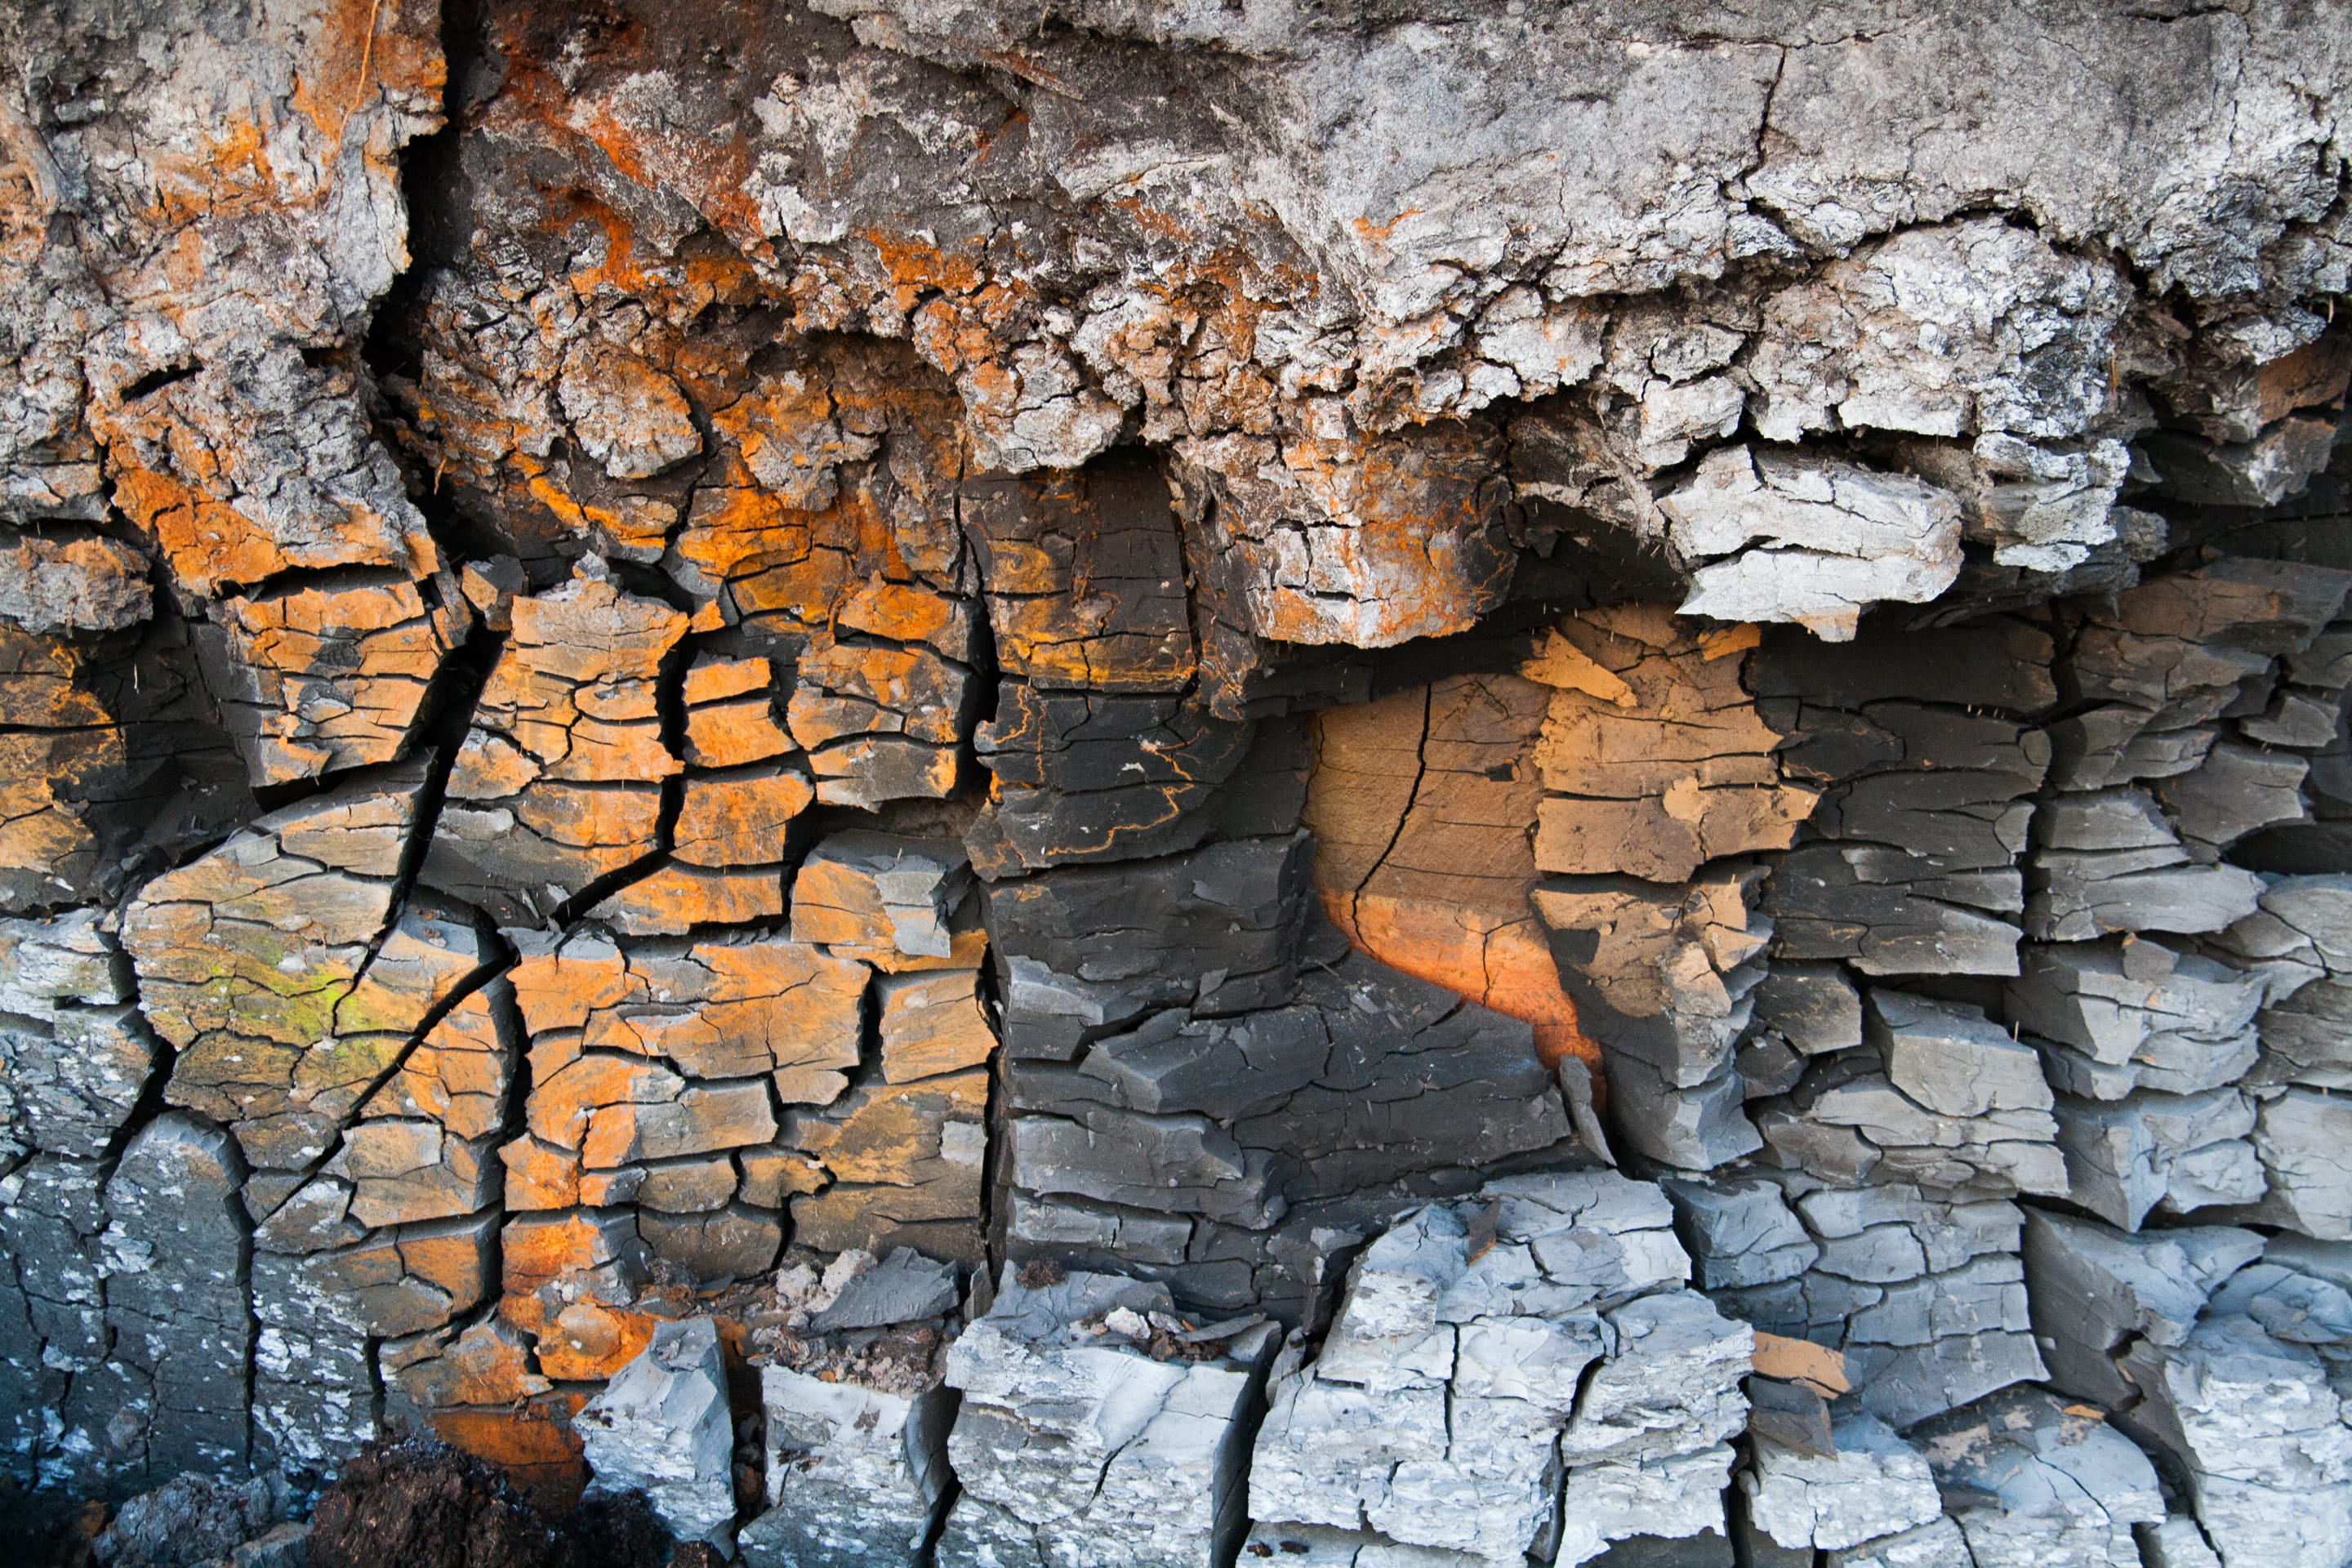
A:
x,y
1024,786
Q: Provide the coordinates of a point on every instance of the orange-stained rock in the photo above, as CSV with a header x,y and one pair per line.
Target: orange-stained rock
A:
x,y
911,612
1422,806
558,783
405,1170
864,890
730,712
488,1364
931,1023
732,732
232,476
565,1107
460,1074
722,1008
859,688
554,1262
535,1445
788,437
1085,576
738,820
588,1341
904,1162
540,1175
258,962
1673,770
458,1258
871,769
317,679
674,899
701,1119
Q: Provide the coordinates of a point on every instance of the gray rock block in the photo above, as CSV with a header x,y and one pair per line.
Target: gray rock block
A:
x,y
173,1257
1906,1384
2094,1291
2182,1152
663,1427
2304,1139
2122,1016
1084,1447
1739,1233
1892,1232
1673,1387
1813,1007
856,1474
1952,1058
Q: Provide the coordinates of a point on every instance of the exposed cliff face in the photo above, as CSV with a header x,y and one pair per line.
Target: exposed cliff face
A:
x,y
1174,666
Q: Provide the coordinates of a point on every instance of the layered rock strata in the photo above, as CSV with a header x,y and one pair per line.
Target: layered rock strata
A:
x,y
1397,788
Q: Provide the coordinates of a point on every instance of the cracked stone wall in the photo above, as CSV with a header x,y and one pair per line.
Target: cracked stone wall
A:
x,y
1433,785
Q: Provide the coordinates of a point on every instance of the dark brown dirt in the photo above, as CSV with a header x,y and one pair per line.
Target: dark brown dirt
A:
x,y
422,1504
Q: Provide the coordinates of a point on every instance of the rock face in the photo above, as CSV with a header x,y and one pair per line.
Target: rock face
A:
x,y
1371,784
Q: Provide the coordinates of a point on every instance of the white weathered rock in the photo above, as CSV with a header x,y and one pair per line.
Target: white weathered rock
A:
x,y
1808,540
1674,1497
1672,1387
1876,1485
1073,1440
856,1474
663,1427
2261,1437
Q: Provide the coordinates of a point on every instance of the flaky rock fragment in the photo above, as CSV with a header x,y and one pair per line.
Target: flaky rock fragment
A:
x,y
72,584
1774,538
663,1427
